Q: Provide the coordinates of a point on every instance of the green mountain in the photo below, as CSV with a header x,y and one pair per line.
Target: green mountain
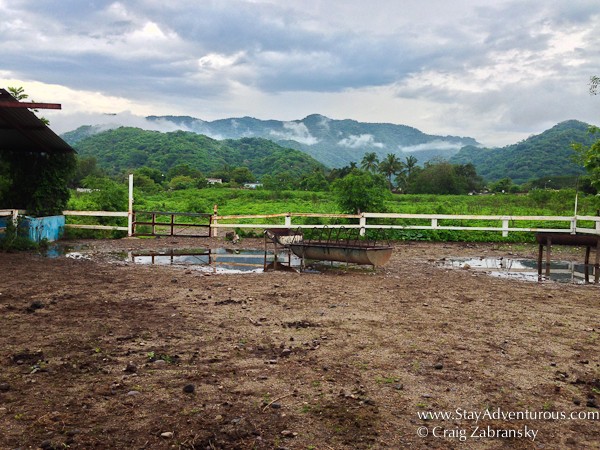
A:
x,y
125,149
545,155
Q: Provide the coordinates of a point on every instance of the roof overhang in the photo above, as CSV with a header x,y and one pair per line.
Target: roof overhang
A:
x,y
21,130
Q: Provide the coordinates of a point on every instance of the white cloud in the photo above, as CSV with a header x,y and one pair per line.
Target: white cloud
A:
x,y
437,144
360,141
295,131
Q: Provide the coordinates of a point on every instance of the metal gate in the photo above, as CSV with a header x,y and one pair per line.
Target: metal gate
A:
x,y
158,223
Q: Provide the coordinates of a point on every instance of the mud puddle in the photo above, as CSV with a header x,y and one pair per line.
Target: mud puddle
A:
x,y
523,269
219,260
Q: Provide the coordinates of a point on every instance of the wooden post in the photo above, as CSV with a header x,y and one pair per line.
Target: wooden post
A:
x,y
597,265
505,227
288,221
362,222
130,210
548,251
539,261
586,264
214,228
574,225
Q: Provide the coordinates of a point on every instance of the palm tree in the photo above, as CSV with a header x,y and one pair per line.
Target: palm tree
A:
x,y
370,162
390,166
410,164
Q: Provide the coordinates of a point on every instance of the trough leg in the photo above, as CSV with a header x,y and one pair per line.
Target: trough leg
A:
x,y
597,264
548,252
539,261
586,265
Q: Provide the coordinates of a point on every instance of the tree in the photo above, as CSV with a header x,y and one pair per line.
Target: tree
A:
x,y
84,168
361,191
154,174
316,181
410,164
241,175
504,185
19,94
183,170
181,182
370,162
444,178
594,84
390,166
590,157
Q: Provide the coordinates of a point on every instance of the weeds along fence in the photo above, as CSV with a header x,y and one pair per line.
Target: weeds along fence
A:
x,y
8,216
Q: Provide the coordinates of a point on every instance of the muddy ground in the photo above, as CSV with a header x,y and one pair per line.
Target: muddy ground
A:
x,y
96,354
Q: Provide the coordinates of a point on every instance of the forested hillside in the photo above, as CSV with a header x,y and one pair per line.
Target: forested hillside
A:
x,y
125,149
546,155
335,143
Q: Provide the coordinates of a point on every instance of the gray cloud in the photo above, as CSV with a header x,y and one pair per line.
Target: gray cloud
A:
x,y
467,67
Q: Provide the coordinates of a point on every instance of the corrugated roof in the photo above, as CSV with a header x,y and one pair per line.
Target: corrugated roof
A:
x,y
22,130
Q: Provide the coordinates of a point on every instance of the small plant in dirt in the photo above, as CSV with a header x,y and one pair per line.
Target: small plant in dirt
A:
x,y
171,359
387,380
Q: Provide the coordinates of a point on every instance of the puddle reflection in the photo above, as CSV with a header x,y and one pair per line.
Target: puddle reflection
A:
x,y
219,260
522,269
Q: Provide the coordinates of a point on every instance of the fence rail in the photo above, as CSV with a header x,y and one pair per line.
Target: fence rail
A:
x,y
504,223
97,214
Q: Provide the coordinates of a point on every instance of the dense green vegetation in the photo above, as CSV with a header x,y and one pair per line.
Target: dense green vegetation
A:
x,y
35,182
335,143
546,155
127,149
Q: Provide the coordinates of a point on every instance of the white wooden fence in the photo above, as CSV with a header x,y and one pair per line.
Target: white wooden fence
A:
x,y
500,223
504,224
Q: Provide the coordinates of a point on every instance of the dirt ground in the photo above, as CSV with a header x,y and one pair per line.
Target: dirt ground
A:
x,y
102,355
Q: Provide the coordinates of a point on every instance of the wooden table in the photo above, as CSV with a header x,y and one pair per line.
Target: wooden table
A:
x,y
575,240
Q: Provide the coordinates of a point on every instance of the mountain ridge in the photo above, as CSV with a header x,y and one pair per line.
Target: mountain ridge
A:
x,y
335,143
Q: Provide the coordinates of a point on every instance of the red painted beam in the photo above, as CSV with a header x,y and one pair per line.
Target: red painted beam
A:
x,y
29,105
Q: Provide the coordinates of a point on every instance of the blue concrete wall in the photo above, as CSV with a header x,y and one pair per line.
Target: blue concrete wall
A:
x,y
36,229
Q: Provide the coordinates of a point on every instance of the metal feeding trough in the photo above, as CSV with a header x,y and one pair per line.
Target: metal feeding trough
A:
x,y
328,244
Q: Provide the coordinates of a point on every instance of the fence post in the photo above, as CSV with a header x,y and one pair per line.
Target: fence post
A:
x,y
362,222
130,210
434,223
574,225
505,223
288,220
214,222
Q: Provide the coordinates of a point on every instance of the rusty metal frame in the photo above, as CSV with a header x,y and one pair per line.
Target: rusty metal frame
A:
x,y
171,225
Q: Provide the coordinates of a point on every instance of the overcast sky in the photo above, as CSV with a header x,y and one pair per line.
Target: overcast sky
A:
x,y
497,71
